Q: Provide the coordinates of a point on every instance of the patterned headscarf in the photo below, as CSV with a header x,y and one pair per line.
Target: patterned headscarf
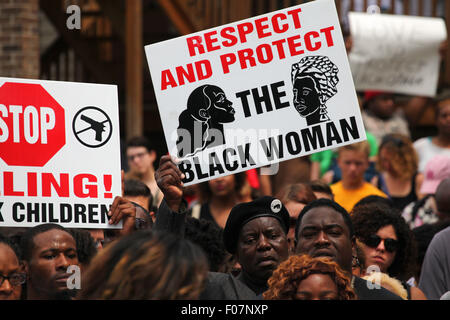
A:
x,y
324,72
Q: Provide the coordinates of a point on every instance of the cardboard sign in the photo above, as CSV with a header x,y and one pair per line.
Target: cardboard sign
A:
x,y
59,153
395,53
256,92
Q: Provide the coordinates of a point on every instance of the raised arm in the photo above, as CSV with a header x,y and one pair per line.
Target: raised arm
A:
x,y
172,211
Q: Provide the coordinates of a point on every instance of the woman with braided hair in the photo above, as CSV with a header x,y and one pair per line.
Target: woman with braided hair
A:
x,y
314,79
306,278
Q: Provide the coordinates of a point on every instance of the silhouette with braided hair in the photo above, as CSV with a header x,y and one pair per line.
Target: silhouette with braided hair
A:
x,y
314,79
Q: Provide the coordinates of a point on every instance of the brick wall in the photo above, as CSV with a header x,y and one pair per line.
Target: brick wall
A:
x,y
19,38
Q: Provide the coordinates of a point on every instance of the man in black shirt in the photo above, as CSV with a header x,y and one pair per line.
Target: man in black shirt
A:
x,y
255,232
323,229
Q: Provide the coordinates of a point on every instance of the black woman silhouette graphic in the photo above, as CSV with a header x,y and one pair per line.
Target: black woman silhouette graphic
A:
x,y
314,81
201,124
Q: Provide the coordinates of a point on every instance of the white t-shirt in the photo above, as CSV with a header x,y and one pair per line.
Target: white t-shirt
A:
x,y
427,150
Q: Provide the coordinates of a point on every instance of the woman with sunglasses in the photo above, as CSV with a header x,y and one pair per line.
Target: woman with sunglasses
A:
x,y
386,241
397,166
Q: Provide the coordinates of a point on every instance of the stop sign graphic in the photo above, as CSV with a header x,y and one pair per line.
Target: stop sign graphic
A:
x,y
32,125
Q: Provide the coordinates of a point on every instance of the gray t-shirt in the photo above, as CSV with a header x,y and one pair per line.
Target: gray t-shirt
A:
x,y
435,274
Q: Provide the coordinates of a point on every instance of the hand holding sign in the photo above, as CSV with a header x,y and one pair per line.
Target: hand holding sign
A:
x,y
168,177
123,209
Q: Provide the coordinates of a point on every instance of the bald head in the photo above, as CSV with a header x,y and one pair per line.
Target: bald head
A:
x,y
442,197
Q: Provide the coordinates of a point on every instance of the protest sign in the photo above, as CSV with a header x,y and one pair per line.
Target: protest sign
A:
x,y
59,153
256,92
398,54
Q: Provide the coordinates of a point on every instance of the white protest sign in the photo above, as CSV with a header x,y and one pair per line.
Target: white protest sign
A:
x,y
395,53
59,153
256,92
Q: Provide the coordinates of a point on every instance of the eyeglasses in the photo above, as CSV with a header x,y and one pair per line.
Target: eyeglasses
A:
x,y
15,279
373,241
137,155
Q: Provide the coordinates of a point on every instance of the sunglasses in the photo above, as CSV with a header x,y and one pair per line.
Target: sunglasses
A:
x,y
373,241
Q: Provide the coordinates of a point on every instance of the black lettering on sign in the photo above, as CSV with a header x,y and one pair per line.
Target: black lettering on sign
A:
x,y
80,212
346,128
332,134
293,143
243,96
245,157
51,219
15,208
104,209
33,212
198,169
264,97
66,212
230,166
1,217
312,137
214,165
185,167
92,213
273,149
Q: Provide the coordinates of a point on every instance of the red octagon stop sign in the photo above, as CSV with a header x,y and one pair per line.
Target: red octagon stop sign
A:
x,y
32,125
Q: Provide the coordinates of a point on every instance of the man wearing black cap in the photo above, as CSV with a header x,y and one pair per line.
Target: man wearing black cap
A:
x,y
255,232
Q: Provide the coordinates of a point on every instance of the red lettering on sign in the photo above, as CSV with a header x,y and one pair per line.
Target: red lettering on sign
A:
x,y
46,184
61,187
203,70
210,40
243,30
276,26
328,35
167,79
227,33
310,46
261,25
295,14
193,43
85,190
227,60
244,56
294,45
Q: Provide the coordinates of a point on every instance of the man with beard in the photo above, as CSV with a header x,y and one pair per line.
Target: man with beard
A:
x,y
48,251
255,232
324,229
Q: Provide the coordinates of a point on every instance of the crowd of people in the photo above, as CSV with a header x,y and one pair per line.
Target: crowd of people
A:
x,y
382,235
367,221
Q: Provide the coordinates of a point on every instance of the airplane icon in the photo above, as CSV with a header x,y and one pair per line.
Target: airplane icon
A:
x,y
98,127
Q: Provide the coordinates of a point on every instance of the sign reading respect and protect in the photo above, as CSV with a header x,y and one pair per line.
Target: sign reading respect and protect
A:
x,y
256,92
59,153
